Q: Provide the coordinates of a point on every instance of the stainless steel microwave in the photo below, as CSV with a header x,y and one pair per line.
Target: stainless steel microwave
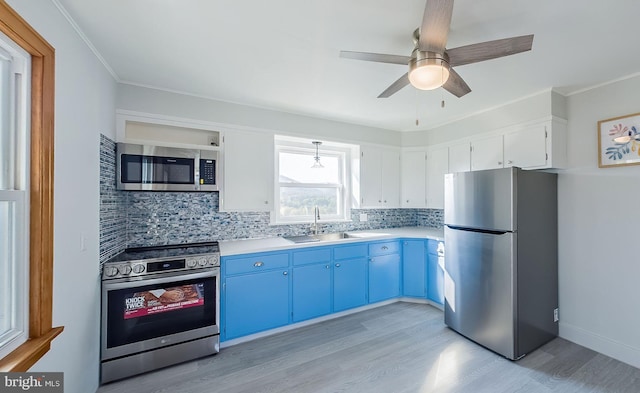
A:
x,y
157,168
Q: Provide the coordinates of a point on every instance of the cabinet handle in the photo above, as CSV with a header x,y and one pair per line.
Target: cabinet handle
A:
x,y
407,201
385,247
258,264
509,162
499,162
284,273
379,201
266,202
326,266
337,265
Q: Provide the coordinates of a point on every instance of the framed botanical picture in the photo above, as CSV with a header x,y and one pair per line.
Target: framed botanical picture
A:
x,y
619,141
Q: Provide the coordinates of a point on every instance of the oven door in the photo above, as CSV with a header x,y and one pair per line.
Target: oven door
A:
x,y
143,314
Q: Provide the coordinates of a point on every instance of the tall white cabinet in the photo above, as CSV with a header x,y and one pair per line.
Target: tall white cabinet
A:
x,y
413,178
248,171
379,177
437,167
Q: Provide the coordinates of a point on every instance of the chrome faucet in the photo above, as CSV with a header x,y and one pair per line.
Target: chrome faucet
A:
x,y
316,217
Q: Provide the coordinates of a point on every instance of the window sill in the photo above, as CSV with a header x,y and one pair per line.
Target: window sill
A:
x,y
320,223
27,354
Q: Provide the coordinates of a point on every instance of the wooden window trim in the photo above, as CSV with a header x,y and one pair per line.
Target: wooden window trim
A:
x,y
41,332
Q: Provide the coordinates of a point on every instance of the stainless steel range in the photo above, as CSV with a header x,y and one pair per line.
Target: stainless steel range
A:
x,y
160,306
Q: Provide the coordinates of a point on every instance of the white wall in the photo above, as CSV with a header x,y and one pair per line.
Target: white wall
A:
x,y
599,225
84,108
141,99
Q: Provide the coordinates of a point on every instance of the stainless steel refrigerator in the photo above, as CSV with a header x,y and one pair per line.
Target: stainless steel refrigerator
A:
x,y
501,267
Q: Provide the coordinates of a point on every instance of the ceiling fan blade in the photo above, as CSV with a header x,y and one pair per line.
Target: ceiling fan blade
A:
x,y
435,25
395,86
456,85
489,50
377,57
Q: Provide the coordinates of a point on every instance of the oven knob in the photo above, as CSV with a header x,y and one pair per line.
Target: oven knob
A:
x,y
138,268
214,261
192,262
110,271
125,269
202,261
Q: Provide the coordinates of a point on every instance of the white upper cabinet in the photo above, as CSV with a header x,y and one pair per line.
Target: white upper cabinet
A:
x,y
437,167
379,177
526,148
460,157
248,171
413,179
487,153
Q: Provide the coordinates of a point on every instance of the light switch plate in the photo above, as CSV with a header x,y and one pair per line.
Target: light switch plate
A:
x,y
363,216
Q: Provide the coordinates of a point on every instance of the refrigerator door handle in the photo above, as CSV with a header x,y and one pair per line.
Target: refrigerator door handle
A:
x,y
489,231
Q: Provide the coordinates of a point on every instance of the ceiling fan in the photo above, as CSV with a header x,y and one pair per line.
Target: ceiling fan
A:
x,y
430,63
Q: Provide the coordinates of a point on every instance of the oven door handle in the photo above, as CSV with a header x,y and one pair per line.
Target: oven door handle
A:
x,y
162,280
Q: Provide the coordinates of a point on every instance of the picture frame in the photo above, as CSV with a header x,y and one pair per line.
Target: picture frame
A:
x,y
619,141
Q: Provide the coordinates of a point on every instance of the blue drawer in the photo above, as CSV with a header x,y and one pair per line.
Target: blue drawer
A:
x,y
255,263
312,256
347,252
382,248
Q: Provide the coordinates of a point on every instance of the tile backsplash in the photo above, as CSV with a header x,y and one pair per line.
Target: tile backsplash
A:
x,y
135,219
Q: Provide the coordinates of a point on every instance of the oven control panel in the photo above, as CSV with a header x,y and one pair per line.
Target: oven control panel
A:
x,y
111,270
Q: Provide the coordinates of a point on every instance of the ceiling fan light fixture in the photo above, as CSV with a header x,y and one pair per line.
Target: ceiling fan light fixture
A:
x,y
428,71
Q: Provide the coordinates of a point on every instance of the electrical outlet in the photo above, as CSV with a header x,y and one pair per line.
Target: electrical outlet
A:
x,y
555,315
363,216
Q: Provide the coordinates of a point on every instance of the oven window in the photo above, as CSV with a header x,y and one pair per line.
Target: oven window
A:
x,y
150,311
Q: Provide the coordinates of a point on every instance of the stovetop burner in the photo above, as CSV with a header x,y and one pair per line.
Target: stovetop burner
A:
x,y
168,251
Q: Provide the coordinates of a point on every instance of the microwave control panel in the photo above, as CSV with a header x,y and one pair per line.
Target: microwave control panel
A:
x,y
207,171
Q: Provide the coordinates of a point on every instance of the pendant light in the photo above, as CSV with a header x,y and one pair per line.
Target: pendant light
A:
x,y
317,163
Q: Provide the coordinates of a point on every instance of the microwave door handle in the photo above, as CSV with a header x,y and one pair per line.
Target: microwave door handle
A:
x,y
163,280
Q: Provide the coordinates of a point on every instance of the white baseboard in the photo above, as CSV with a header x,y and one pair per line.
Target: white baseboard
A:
x,y
615,349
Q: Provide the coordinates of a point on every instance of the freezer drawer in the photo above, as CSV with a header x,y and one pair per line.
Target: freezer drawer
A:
x,y
480,287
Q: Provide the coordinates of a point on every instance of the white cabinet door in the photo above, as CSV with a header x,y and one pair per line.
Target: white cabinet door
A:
x,y
370,177
437,167
248,171
526,148
379,177
487,153
460,157
390,178
413,179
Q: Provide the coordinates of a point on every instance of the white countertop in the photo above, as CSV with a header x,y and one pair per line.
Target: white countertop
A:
x,y
245,246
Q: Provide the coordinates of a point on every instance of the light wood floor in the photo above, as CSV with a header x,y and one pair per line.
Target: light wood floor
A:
x,y
401,347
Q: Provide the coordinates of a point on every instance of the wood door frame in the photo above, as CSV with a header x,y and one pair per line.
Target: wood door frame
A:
x,y
41,330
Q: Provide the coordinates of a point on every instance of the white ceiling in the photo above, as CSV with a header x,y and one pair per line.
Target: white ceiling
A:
x,y
283,54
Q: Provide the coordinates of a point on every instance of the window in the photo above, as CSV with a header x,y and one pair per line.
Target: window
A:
x,y
300,188
39,202
14,218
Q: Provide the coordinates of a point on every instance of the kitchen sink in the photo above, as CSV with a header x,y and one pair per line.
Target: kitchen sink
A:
x,y
321,237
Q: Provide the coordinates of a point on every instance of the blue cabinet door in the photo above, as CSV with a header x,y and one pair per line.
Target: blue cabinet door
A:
x,y
311,291
349,283
384,277
414,268
435,274
256,302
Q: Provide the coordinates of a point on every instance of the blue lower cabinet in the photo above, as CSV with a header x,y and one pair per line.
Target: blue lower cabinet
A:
x,y
435,274
414,268
311,291
255,302
384,277
349,283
